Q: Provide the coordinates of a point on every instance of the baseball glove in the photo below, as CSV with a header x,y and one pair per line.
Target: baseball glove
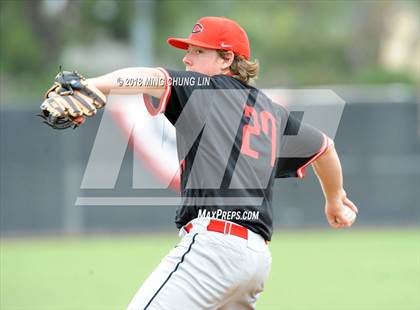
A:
x,y
69,100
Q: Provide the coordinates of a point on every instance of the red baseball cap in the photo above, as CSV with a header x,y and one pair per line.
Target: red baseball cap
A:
x,y
217,33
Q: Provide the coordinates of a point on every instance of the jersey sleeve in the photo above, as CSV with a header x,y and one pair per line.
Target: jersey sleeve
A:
x,y
179,86
300,145
155,105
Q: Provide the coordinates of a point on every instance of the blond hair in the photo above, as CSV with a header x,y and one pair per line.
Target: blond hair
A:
x,y
242,69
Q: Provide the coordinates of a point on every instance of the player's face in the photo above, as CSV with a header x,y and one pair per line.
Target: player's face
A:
x,y
203,60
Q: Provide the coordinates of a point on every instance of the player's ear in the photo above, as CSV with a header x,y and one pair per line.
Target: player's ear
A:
x,y
228,57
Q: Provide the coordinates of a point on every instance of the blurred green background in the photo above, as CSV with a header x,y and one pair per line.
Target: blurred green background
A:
x,y
297,42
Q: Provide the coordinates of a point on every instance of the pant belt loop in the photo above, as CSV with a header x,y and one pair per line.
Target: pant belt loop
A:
x,y
227,228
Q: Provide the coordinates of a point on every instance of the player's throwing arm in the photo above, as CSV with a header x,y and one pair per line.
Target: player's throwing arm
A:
x,y
339,210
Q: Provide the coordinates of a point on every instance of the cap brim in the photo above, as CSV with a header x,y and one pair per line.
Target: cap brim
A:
x,y
184,43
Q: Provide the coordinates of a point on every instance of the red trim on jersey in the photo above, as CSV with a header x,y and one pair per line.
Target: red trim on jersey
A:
x,y
182,166
163,99
324,147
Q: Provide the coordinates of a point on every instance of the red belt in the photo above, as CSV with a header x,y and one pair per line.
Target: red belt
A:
x,y
224,228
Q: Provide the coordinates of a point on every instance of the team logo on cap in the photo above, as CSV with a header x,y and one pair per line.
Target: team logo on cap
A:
x,y
197,28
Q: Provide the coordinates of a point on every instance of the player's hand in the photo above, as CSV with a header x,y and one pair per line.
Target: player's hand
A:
x,y
70,100
340,211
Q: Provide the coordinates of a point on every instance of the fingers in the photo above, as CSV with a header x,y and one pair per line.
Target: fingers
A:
x,y
336,222
351,205
340,218
341,212
332,221
342,222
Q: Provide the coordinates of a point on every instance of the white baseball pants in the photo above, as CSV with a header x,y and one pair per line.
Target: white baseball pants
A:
x,y
207,270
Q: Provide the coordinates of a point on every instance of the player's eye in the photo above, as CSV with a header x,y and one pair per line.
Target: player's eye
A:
x,y
194,51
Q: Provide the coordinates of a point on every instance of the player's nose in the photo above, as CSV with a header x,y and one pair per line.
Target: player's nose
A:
x,y
187,60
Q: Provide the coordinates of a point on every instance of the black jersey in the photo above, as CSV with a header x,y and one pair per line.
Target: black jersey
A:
x,y
232,142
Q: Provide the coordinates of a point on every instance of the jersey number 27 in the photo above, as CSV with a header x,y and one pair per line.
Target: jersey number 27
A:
x,y
258,122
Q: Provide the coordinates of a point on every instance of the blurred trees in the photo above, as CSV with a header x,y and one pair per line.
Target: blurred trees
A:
x,y
297,43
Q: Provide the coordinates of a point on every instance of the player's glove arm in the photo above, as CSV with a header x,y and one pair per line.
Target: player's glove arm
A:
x,y
328,170
132,80
72,97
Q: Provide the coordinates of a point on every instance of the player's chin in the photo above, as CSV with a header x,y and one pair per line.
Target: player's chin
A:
x,y
189,69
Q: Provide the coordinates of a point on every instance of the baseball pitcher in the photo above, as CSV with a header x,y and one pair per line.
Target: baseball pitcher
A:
x,y
232,142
